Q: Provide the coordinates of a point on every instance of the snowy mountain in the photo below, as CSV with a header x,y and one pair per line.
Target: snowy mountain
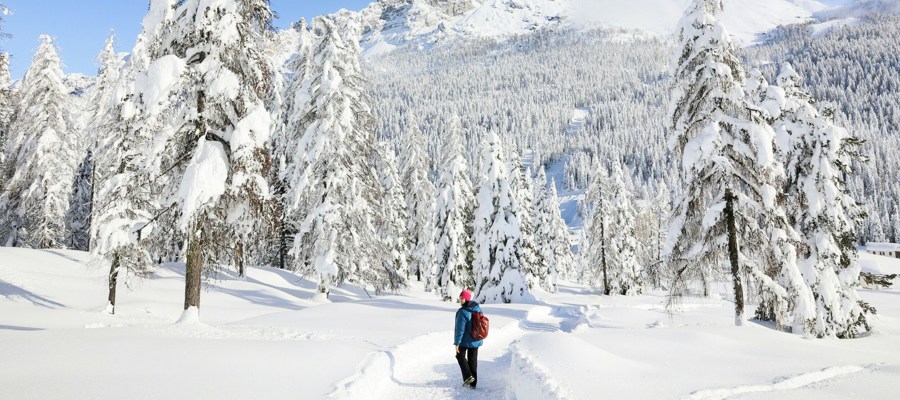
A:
x,y
390,24
862,7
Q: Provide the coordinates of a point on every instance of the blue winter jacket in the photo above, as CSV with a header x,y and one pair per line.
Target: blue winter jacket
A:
x,y
463,332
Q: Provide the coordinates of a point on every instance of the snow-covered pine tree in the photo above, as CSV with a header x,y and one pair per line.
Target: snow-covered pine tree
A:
x,y
40,165
288,129
542,234
455,203
332,190
551,233
215,158
819,155
594,256
392,216
420,204
623,269
523,191
728,212
125,197
80,213
497,234
657,272
125,193
564,262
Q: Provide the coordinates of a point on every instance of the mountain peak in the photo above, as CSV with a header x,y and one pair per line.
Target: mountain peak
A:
x,y
389,24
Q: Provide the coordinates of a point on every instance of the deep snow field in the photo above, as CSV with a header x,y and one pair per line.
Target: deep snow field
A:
x,y
262,337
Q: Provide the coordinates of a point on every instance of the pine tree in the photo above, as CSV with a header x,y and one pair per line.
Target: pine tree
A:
x,y
454,213
215,161
523,190
551,233
818,157
564,265
420,205
332,190
657,272
594,242
392,219
39,167
542,221
622,266
125,191
497,233
80,213
288,131
728,212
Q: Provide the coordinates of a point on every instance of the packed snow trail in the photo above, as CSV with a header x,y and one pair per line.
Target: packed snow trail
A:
x,y
425,367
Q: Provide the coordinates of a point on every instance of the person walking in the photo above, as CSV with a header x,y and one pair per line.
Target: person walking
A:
x,y
466,346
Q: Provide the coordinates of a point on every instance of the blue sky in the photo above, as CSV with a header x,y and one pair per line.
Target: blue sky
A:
x,y
82,26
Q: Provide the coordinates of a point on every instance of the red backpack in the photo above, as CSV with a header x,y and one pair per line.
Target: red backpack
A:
x,y
480,325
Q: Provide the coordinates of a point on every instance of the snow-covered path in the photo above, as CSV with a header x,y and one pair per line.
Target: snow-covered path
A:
x,y
575,344
425,367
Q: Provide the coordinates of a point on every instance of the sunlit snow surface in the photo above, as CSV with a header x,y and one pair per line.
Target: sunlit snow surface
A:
x,y
263,336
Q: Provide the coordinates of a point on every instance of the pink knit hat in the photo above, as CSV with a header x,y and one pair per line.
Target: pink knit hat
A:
x,y
465,294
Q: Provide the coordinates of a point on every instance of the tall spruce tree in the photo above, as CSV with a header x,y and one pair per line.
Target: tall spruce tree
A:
x,y
39,167
594,241
420,205
523,190
551,233
80,214
728,213
623,268
497,234
289,129
657,271
333,192
215,158
125,191
455,203
392,216
819,156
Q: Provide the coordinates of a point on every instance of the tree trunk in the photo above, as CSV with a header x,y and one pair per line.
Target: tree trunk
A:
x,y
113,281
239,257
283,236
194,266
603,257
90,218
323,288
733,258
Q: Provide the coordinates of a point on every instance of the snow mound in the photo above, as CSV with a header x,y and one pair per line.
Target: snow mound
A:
x,y
794,382
562,366
191,316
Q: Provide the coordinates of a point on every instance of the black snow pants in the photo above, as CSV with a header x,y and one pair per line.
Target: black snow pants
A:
x,y
468,363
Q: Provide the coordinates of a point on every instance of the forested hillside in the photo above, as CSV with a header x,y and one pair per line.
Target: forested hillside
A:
x,y
529,87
